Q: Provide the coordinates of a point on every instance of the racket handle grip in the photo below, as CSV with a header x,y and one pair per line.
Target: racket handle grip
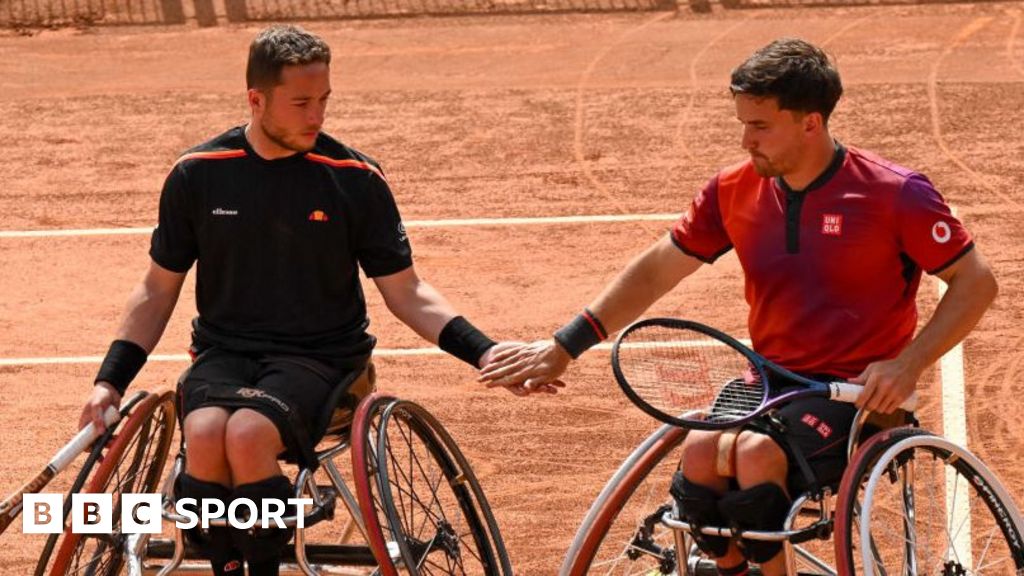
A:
x,y
81,441
846,392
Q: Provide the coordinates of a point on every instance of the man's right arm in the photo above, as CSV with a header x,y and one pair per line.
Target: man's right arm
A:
x,y
145,318
645,280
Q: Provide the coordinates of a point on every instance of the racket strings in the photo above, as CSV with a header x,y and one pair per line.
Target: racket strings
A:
x,y
689,374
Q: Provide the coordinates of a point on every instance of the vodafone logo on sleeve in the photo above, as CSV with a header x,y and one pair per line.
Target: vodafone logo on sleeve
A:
x,y
941,232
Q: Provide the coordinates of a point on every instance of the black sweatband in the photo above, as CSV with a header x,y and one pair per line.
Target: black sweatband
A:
x,y
583,333
464,341
122,362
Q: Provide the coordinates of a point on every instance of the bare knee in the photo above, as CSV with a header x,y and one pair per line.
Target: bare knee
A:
x,y
252,443
204,427
204,431
759,459
700,450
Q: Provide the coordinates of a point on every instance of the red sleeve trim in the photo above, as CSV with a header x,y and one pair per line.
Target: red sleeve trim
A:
x,y
218,155
346,164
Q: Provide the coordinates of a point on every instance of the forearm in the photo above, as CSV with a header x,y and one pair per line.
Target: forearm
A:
x,y
424,310
146,315
959,310
646,279
630,294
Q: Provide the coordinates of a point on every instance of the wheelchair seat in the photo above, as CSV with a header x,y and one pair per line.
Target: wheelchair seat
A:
x,y
340,408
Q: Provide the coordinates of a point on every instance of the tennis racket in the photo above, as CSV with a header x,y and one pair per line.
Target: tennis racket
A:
x,y
11,507
693,376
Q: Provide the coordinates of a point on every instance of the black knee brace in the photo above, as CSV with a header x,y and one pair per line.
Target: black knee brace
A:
x,y
762,508
215,542
698,507
262,546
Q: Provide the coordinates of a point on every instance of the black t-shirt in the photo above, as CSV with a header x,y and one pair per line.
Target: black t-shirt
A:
x,y
278,244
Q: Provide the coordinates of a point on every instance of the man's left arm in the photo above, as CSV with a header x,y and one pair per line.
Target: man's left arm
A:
x,y
971,289
421,307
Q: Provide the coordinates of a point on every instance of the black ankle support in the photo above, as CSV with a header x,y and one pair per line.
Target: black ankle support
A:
x,y
214,543
262,546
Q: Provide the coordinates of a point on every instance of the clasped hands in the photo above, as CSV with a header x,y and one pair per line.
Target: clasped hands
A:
x,y
525,369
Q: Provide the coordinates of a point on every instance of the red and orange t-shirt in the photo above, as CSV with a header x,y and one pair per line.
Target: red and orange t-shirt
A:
x,y
832,271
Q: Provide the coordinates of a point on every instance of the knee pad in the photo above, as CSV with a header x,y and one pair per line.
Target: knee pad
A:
x,y
762,508
698,507
215,542
262,545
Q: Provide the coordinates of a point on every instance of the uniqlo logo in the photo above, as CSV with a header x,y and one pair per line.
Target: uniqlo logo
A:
x,y
810,419
832,224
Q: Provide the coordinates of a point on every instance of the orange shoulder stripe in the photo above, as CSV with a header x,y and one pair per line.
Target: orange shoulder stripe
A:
x,y
216,155
346,164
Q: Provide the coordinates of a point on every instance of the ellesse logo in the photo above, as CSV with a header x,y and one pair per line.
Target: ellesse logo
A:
x,y
318,216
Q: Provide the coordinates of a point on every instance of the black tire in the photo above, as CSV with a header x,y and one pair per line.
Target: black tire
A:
x,y
133,463
913,502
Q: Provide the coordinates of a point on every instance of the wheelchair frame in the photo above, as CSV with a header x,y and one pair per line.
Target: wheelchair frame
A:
x,y
653,539
384,429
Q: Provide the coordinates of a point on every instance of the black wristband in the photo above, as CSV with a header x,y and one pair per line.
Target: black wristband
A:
x,y
122,362
464,341
583,333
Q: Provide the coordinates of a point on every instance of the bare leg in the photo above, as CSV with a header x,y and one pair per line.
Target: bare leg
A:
x,y
700,452
760,460
252,444
204,431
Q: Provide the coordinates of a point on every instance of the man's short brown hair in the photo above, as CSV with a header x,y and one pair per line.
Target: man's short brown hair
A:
x,y
797,73
280,46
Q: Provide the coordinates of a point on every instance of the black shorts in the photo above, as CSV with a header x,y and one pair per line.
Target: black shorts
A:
x,y
820,429
292,391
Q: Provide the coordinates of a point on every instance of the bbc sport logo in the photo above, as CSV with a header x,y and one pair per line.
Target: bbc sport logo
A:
x,y
141,513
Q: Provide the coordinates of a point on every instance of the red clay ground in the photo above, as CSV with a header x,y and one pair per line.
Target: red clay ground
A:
x,y
492,117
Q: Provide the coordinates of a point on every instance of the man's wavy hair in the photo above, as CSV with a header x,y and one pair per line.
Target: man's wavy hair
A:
x,y
280,46
796,73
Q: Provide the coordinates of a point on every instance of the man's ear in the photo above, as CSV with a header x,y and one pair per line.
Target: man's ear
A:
x,y
257,99
813,122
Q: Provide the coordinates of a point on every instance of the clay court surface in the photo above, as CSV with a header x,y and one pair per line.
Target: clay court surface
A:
x,y
513,116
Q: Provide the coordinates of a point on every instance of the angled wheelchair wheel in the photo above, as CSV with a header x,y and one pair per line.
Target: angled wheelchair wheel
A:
x,y
621,533
84,474
915,503
422,497
132,463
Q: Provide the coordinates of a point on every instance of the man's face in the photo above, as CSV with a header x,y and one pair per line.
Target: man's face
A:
x,y
292,112
775,139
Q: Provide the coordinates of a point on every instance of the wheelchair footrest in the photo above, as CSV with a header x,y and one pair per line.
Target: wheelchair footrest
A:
x,y
705,567
331,554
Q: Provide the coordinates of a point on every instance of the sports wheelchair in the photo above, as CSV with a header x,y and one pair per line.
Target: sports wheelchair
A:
x,y
909,504
416,506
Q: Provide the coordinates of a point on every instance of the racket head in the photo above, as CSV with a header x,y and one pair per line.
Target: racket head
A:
x,y
689,375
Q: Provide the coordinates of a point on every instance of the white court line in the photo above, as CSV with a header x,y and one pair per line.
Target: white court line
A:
x,y
546,220
433,351
37,361
954,429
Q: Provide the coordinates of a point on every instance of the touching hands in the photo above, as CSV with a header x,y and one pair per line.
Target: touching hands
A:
x,y
887,384
523,369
